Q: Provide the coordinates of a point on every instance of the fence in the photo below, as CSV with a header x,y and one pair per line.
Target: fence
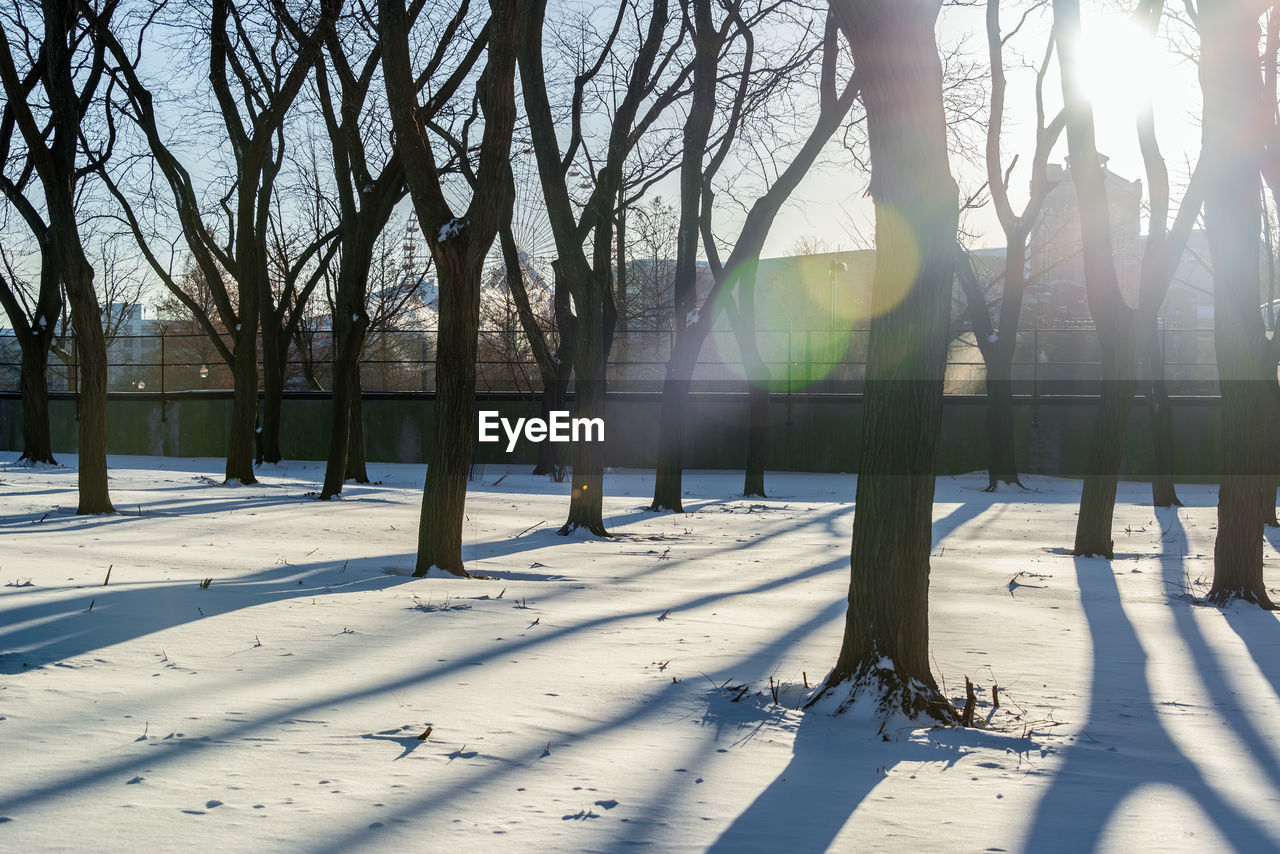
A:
x,y
1059,360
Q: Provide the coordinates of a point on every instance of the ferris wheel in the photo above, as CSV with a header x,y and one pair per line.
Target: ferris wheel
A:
x,y
529,224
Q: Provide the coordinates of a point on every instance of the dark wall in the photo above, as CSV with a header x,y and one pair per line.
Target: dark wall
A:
x,y
807,433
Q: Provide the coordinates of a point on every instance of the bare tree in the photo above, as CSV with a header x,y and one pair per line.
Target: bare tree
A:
x,y
1164,247
33,310
1271,178
259,58
551,353
68,66
884,659
299,250
1232,153
459,244
370,181
1114,320
748,92
997,338
587,272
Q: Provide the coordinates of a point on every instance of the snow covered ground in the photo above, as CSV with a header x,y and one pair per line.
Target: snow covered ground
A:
x,y
589,695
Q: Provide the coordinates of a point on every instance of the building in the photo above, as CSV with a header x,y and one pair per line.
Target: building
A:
x,y
1055,260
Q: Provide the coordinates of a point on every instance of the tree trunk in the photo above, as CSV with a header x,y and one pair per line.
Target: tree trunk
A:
x,y
552,370
594,336
350,324
1160,414
273,369
34,335
345,409
1002,466
1232,149
86,322
244,402
555,387
356,470
758,379
1098,498
885,653
689,333
586,501
671,430
54,157
1113,319
335,470
1271,447
445,492
997,348
37,446
757,435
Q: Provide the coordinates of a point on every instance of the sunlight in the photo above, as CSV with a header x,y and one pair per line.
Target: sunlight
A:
x,y
1119,65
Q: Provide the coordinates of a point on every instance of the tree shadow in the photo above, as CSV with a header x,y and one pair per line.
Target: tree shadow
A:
x,y
1119,752
88,776
834,768
48,631
547,538
752,667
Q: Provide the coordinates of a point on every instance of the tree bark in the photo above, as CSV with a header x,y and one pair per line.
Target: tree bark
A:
x,y
1164,249
34,334
1111,316
458,246
671,429
689,334
37,447
884,658
555,387
356,470
1098,498
997,350
552,371
77,278
1232,151
448,460
743,319
350,324
1002,465
693,323
54,157
273,370
997,344
757,436
594,331
1160,414
242,447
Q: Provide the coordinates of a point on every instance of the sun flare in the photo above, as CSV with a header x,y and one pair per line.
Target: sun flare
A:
x,y
1118,67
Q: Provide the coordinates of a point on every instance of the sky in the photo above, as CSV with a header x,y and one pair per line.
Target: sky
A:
x,y
830,206
830,203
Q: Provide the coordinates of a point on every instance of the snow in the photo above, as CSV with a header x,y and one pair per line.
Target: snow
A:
x,y
451,229
588,695
690,318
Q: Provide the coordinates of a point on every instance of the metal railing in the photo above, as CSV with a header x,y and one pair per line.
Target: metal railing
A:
x,y
1058,360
